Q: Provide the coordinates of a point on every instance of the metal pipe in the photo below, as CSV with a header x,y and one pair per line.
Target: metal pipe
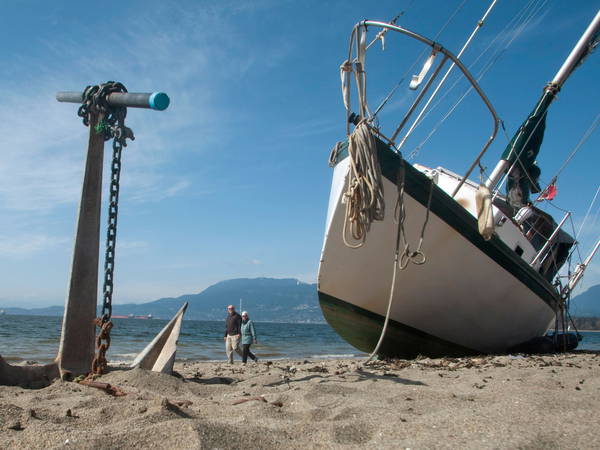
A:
x,y
550,239
477,160
158,101
578,51
465,72
419,98
579,271
443,80
561,76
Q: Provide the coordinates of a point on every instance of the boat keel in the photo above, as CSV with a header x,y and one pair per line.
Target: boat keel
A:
x,y
362,328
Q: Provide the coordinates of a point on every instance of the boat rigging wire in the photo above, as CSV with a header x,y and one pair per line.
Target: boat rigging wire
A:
x,y
443,80
381,35
576,243
588,212
548,89
358,35
511,30
582,141
419,57
593,224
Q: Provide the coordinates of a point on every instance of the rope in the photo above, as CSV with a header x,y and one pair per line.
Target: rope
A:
x,y
416,257
356,66
401,260
364,194
381,35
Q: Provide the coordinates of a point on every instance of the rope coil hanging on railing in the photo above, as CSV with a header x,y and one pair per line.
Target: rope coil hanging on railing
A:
x,y
364,193
111,124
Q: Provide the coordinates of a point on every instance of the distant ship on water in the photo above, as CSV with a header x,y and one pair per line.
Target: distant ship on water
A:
x,y
131,316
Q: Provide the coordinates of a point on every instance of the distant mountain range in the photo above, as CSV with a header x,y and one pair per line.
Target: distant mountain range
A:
x,y
266,300
587,304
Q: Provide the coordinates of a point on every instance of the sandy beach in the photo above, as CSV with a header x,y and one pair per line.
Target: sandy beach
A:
x,y
526,402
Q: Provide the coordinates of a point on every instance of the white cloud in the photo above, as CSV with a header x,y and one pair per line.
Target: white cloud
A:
x,y
25,245
44,142
124,244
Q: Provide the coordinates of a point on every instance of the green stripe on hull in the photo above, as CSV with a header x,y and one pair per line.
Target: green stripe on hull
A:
x,y
417,185
362,328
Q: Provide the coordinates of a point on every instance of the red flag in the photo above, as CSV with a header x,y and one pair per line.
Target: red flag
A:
x,y
548,194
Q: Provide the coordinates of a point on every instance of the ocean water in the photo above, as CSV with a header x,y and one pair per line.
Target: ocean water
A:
x,y
35,338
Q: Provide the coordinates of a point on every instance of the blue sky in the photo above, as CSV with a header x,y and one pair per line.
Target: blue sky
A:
x,y
232,180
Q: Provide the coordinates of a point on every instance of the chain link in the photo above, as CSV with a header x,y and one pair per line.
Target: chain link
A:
x,y
112,125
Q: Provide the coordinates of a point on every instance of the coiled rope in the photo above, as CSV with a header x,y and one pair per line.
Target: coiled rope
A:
x,y
406,256
364,193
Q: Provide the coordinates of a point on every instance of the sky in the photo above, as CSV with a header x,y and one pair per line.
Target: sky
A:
x,y
232,180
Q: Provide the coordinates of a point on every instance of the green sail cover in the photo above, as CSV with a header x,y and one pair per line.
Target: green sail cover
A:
x,y
524,147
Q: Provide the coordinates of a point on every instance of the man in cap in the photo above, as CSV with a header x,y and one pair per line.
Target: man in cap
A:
x,y
232,333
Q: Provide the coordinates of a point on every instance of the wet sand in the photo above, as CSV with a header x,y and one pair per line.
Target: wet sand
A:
x,y
527,402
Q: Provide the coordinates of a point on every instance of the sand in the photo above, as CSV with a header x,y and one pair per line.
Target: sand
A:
x,y
526,402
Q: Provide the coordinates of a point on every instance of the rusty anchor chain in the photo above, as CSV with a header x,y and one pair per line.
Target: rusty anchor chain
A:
x,y
111,125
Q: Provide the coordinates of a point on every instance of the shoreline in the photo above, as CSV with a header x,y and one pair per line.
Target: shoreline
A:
x,y
511,401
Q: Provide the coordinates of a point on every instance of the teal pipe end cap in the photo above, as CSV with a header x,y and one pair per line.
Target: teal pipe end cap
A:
x,y
159,101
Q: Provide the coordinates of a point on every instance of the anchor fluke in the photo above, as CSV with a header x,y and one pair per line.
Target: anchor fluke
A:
x,y
159,355
27,376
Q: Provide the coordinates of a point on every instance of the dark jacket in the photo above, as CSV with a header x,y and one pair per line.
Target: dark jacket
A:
x,y
233,324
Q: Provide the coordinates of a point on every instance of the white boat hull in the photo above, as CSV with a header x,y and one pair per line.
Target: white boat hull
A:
x,y
466,298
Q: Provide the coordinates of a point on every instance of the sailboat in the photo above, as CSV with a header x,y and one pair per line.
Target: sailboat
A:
x,y
423,261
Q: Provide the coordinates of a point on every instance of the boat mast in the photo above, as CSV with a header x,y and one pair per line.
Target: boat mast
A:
x,y
578,274
581,49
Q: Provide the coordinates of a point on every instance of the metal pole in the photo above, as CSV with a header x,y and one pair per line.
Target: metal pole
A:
x,y
150,100
550,239
561,76
580,270
443,80
465,72
578,51
419,98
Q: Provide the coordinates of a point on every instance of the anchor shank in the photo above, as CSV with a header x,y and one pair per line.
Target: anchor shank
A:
x,y
76,350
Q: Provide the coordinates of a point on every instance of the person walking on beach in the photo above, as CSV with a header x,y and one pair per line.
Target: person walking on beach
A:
x,y
232,333
248,338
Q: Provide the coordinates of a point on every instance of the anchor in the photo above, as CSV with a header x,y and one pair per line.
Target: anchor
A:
x,y
103,108
159,355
